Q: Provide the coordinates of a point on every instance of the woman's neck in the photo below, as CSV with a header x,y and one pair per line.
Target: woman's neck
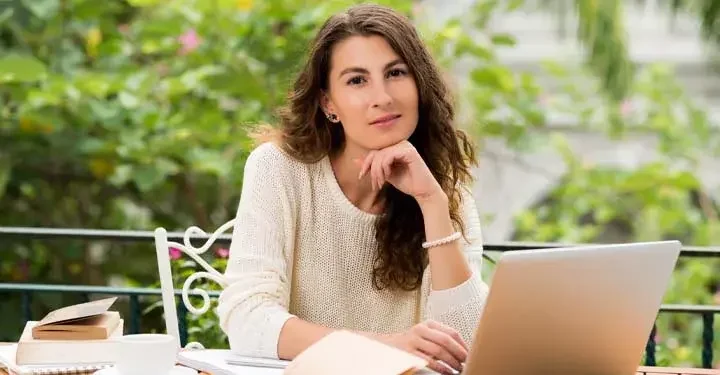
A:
x,y
357,191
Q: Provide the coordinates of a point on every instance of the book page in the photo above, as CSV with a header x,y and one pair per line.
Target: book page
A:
x,y
79,311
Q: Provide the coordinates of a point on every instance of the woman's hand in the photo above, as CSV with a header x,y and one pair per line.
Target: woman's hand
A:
x,y
401,166
434,342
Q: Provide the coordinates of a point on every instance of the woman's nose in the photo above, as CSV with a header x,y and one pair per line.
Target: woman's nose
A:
x,y
380,96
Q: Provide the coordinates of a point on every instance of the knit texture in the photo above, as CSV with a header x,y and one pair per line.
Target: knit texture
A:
x,y
301,248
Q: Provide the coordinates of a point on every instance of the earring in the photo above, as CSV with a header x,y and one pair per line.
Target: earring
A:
x,y
332,117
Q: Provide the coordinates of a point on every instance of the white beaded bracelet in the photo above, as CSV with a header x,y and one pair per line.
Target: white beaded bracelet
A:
x,y
453,237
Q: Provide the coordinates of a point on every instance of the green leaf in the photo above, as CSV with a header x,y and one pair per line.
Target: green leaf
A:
x,y
43,9
122,175
5,169
498,77
143,3
6,15
555,68
166,167
147,177
210,162
503,40
94,84
21,68
128,100
514,5
451,32
193,78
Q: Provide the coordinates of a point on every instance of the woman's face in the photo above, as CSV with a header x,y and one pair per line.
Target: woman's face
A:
x,y
372,93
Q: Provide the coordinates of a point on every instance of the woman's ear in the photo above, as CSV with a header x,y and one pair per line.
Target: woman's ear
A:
x,y
325,103
328,108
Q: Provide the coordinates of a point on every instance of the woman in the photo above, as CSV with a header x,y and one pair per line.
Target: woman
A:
x,y
356,215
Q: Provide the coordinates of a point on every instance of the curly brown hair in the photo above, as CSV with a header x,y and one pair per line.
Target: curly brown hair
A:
x,y
307,135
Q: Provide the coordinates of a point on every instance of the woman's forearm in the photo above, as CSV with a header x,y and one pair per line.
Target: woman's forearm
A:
x,y
297,335
448,265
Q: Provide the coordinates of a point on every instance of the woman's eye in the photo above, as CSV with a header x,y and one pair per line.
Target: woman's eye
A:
x,y
355,80
397,73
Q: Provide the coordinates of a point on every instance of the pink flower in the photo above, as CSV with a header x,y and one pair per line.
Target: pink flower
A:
x,y
222,252
626,107
417,8
124,28
175,253
189,41
543,99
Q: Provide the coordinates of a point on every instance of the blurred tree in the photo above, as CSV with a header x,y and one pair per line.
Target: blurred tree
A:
x,y
602,32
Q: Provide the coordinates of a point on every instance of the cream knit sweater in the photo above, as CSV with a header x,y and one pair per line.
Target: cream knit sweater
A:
x,y
301,248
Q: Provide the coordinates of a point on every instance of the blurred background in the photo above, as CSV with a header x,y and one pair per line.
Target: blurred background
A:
x,y
596,121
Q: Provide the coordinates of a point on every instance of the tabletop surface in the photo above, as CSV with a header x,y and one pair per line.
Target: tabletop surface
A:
x,y
641,371
675,371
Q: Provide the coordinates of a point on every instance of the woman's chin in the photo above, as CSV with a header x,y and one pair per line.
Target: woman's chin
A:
x,y
385,140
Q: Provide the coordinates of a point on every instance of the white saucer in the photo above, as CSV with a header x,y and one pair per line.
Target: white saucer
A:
x,y
177,370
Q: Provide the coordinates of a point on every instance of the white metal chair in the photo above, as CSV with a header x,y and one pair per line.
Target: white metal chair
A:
x,y
162,249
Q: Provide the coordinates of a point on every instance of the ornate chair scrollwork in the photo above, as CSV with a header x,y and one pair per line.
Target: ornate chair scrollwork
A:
x,y
162,249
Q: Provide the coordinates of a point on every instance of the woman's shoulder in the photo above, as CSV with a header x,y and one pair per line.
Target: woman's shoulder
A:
x,y
269,154
270,158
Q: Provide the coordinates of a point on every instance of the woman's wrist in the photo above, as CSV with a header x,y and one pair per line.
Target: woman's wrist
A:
x,y
433,202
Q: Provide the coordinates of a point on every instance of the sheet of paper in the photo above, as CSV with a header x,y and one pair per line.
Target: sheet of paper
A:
x,y
343,352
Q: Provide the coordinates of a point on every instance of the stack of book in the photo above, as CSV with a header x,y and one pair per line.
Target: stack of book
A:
x,y
73,339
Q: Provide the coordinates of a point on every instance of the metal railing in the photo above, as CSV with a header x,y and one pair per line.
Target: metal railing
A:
x,y
27,290
86,291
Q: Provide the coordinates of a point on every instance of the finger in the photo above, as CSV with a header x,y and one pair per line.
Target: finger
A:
x,y
377,171
383,170
438,351
446,342
450,331
432,364
387,163
366,164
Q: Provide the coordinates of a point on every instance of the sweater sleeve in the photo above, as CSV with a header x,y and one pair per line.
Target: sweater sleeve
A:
x,y
253,307
460,307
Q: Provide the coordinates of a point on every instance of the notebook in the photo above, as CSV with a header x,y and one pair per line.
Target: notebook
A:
x,y
218,362
7,363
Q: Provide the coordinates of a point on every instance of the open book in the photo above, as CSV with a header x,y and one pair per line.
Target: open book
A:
x,y
85,321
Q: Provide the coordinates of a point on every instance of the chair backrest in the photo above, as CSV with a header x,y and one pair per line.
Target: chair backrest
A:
x,y
162,249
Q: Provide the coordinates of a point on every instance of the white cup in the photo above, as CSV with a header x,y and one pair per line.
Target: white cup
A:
x,y
145,354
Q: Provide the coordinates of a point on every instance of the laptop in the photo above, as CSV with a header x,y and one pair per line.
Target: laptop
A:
x,y
578,310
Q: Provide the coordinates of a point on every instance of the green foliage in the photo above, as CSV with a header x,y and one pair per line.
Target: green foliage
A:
x,y
496,101
605,39
133,114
